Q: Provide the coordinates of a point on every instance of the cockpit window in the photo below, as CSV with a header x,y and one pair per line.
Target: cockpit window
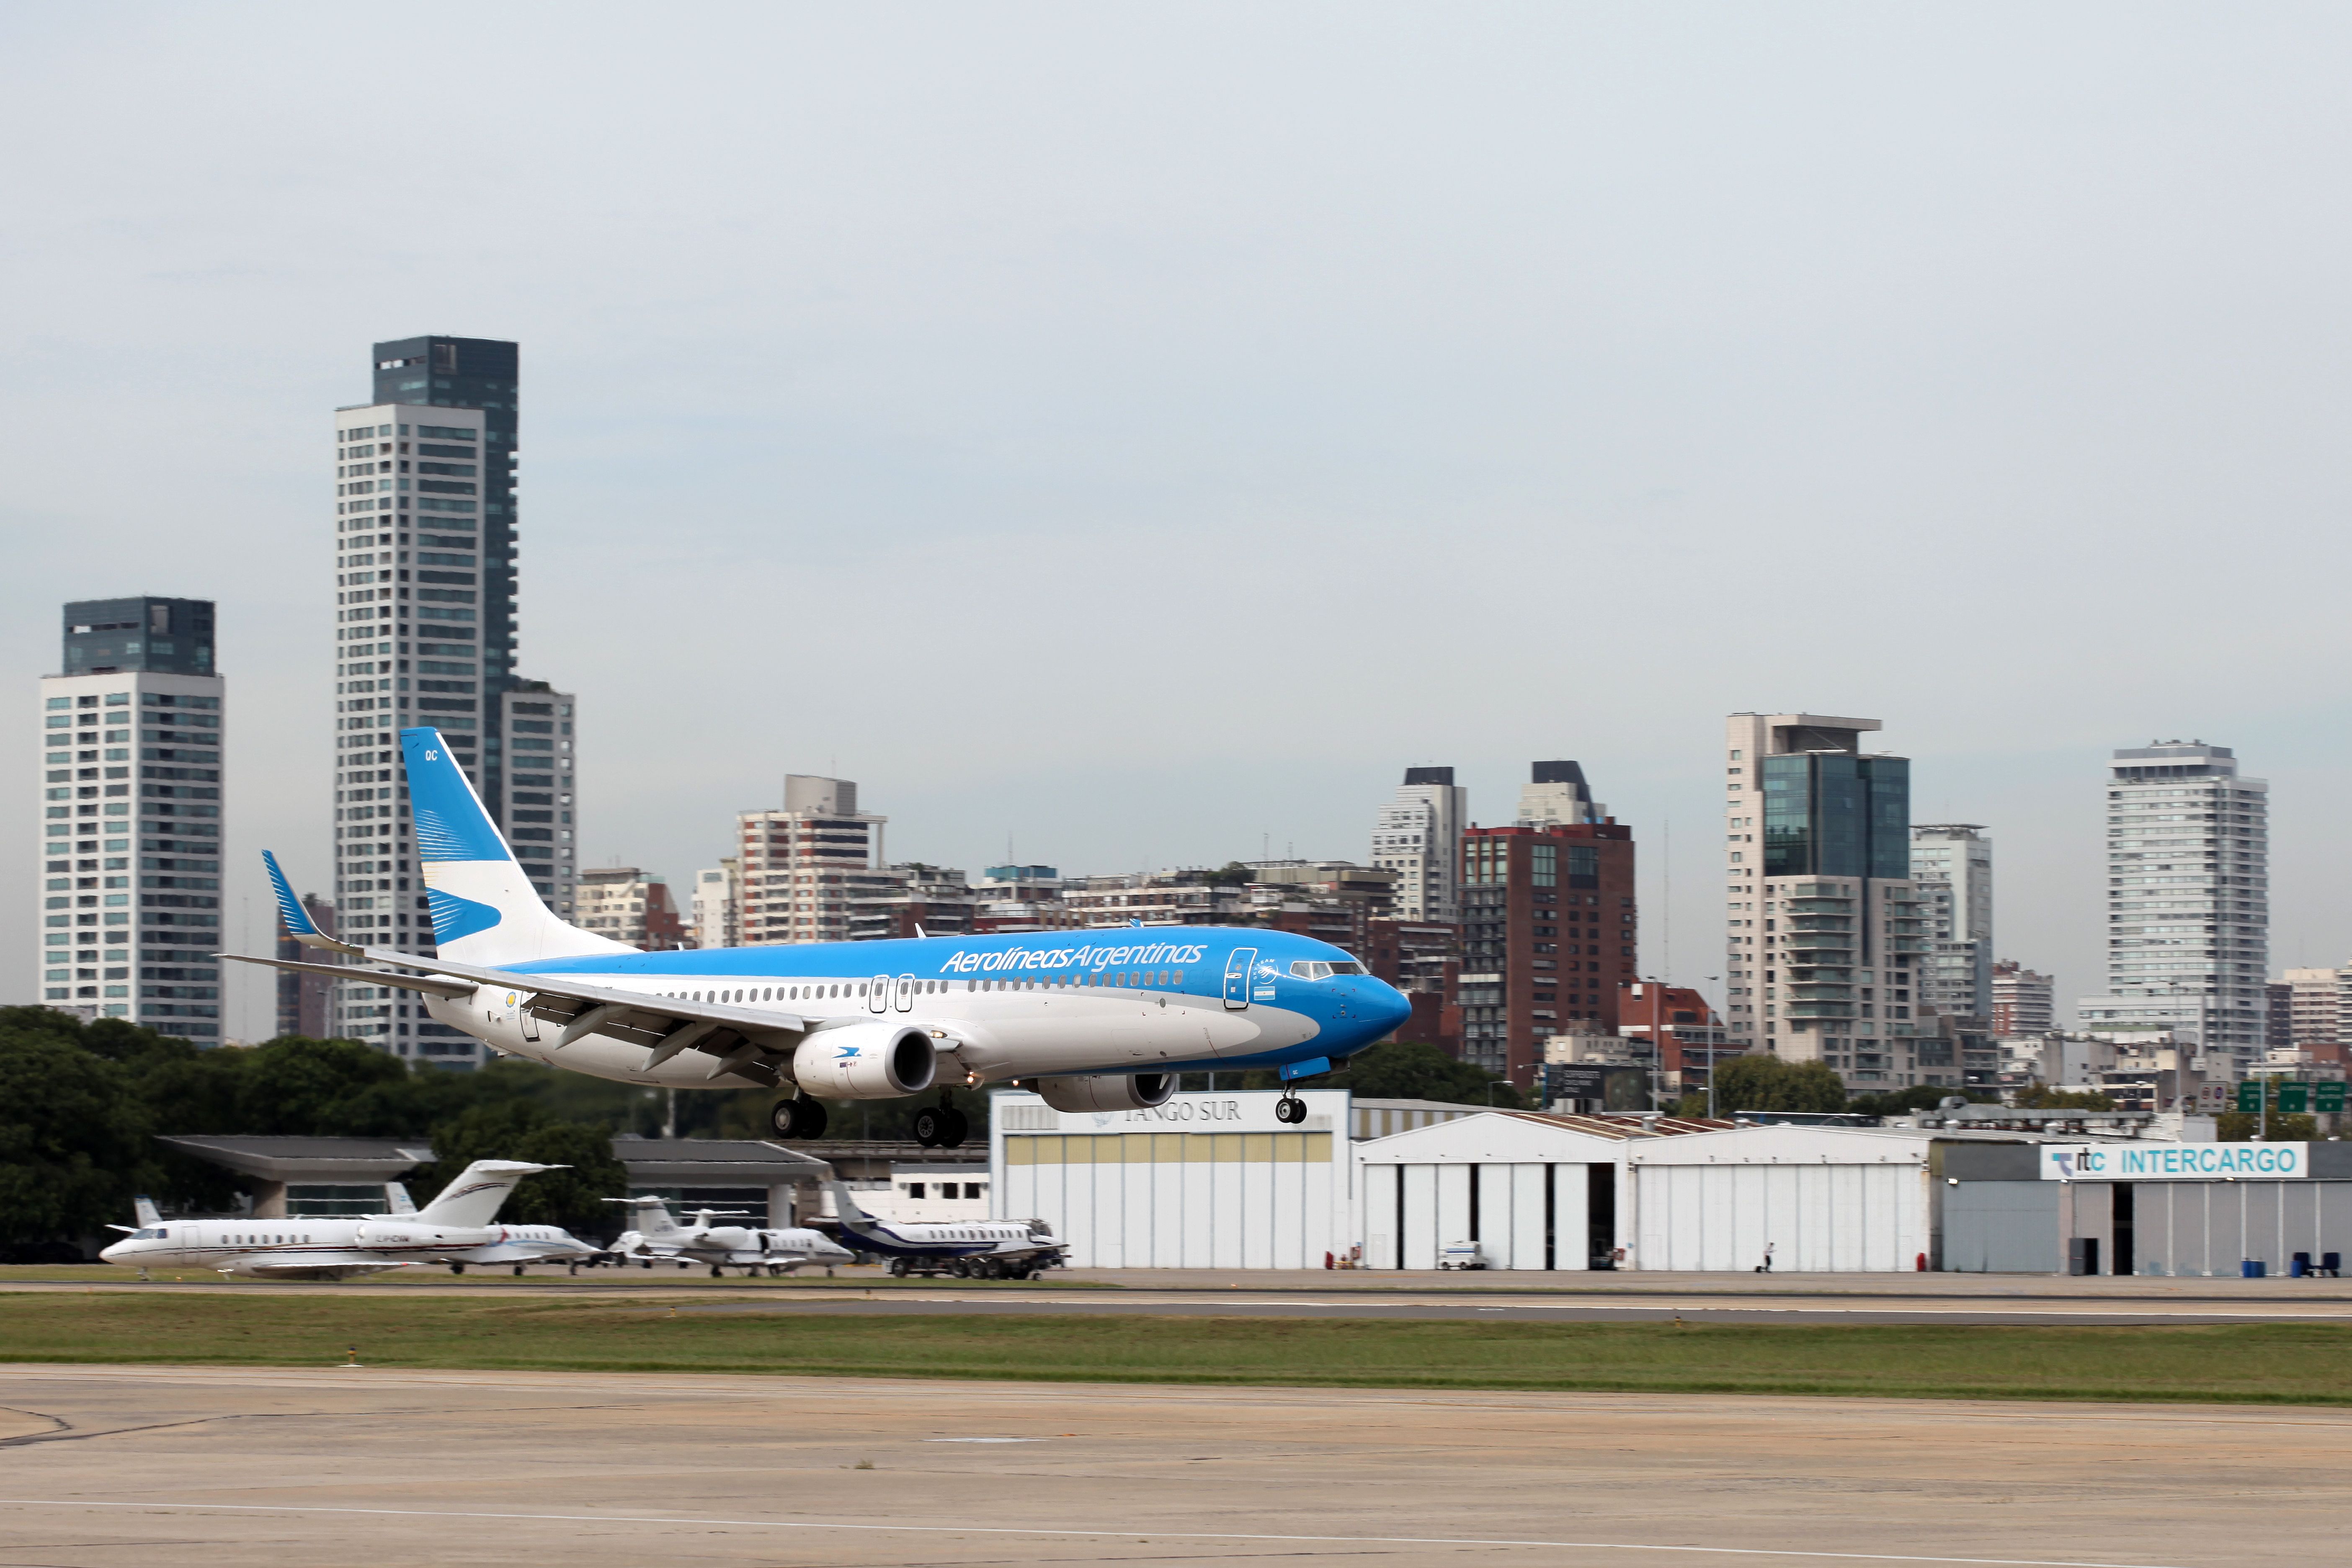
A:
x,y
1315,968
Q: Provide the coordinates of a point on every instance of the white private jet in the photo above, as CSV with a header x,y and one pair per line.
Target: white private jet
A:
x,y
969,1250
660,1238
456,1229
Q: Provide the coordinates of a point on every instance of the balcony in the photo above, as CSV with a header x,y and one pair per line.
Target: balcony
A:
x,y
1906,944
1836,942
1820,1010
1829,993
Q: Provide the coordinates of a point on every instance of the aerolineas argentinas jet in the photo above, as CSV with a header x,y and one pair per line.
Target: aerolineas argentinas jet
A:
x,y
456,1228
1099,1020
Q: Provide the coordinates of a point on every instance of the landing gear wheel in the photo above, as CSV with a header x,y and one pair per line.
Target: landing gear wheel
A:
x,y
1289,1109
716,1272
897,1268
456,1269
931,1126
518,1270
957,1126
802,1118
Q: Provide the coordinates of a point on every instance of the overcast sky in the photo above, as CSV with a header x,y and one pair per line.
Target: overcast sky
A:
x,y
1135,433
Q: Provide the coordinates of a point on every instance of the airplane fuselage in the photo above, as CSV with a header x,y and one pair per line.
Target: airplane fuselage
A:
x,y
277,1245
1123,1000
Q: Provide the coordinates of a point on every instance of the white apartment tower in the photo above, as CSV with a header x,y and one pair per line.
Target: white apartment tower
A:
x,y
1824,929
1951,864
2187,902
1417,836
2315,1006
426,541
2021,1000
132,735
804,866
716,918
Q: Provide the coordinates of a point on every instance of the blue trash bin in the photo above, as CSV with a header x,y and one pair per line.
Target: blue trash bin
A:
x,y
2252,1268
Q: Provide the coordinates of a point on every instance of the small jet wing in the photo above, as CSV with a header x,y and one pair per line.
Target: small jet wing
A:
x,y
307,1262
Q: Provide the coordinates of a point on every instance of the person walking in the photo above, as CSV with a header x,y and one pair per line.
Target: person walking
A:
x,y
1766,1266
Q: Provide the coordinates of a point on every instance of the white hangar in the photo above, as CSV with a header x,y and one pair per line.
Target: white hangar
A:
x,y
1541,1192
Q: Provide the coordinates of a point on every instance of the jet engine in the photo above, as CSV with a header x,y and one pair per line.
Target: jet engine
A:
x,y
865,1061
1107,1090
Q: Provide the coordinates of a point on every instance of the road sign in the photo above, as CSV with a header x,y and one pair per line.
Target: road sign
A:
x,y
2294,1099
2328,1098
2250,1097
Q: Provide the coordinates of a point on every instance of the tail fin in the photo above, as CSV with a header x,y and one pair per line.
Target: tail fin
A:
x,y
652,1215
142,1209
476,1196
845,1207
483,911
299,923
396,1199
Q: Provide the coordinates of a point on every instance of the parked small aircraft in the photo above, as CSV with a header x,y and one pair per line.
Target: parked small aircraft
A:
x,y
456,1229
660,1238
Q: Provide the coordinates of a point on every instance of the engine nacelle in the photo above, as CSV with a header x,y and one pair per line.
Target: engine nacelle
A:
x,y
865,1061
1107,1090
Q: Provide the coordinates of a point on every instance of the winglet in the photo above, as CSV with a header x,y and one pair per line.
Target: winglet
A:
x,y
299,924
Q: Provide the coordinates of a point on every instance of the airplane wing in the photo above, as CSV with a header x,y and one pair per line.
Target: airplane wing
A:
x,y
738,1038
307,1262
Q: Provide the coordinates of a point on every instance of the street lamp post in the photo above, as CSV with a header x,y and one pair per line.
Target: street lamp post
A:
x,y
1711,1057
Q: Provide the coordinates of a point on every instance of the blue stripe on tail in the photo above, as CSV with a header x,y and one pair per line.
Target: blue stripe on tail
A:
x,y
289,908
450,822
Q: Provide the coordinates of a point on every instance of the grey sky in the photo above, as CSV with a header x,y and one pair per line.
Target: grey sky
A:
x,y
1143,430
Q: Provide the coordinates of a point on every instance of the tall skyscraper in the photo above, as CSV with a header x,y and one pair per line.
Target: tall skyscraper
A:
x,y
2315,1001
1951,863
1418,834
804,867
2187,902
425,536
130,893
1825,927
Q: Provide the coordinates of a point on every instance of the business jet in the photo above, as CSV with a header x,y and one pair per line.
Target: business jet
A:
x,y
972,1248
657,1237
1093,1021
456,1229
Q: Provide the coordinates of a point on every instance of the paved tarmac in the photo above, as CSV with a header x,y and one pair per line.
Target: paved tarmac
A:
x,y
203,1467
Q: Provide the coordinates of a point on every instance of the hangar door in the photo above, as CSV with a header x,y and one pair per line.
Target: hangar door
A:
x,y
1816,1218
1521,1215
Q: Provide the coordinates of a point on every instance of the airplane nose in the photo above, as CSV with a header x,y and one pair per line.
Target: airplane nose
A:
x,y
112,1254
1387,1007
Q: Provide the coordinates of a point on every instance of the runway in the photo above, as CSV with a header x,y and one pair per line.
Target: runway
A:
x,y
236,1466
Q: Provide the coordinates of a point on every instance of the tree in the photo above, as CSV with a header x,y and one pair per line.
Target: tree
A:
x,y
2040,1096
1758,1081
74,1146
2286,1127
1404,1069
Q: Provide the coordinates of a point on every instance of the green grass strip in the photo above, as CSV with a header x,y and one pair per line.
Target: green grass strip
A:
x,y
2290,1363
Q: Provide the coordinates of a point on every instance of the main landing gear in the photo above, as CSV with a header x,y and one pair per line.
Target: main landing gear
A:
x,y
1289,1109
941,1126
802,1118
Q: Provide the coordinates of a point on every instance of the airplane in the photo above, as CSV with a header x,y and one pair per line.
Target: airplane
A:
x,y
658,1237
455,1229
975,1249
1098,1020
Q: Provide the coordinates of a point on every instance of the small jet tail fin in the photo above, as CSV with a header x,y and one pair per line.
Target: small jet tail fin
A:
x,y
845,1207
142,1209
396,1199
484,909
299,923
652,1215
478,1192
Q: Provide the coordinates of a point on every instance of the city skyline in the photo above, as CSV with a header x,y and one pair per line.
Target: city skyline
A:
x,y
875,432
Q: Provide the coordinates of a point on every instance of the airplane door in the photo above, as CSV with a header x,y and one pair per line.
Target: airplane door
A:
x,y
1237,977
906,997
877,993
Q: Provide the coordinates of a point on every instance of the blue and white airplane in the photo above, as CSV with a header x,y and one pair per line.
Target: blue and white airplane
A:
x,y
1095,1020
969,1250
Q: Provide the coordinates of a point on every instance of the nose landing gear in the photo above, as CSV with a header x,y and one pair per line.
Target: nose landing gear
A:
x,y
1289,1109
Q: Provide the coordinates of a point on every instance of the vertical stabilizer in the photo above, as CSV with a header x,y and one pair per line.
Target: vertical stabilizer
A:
x,y
473,1200
142,1209
396,1199
484,909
